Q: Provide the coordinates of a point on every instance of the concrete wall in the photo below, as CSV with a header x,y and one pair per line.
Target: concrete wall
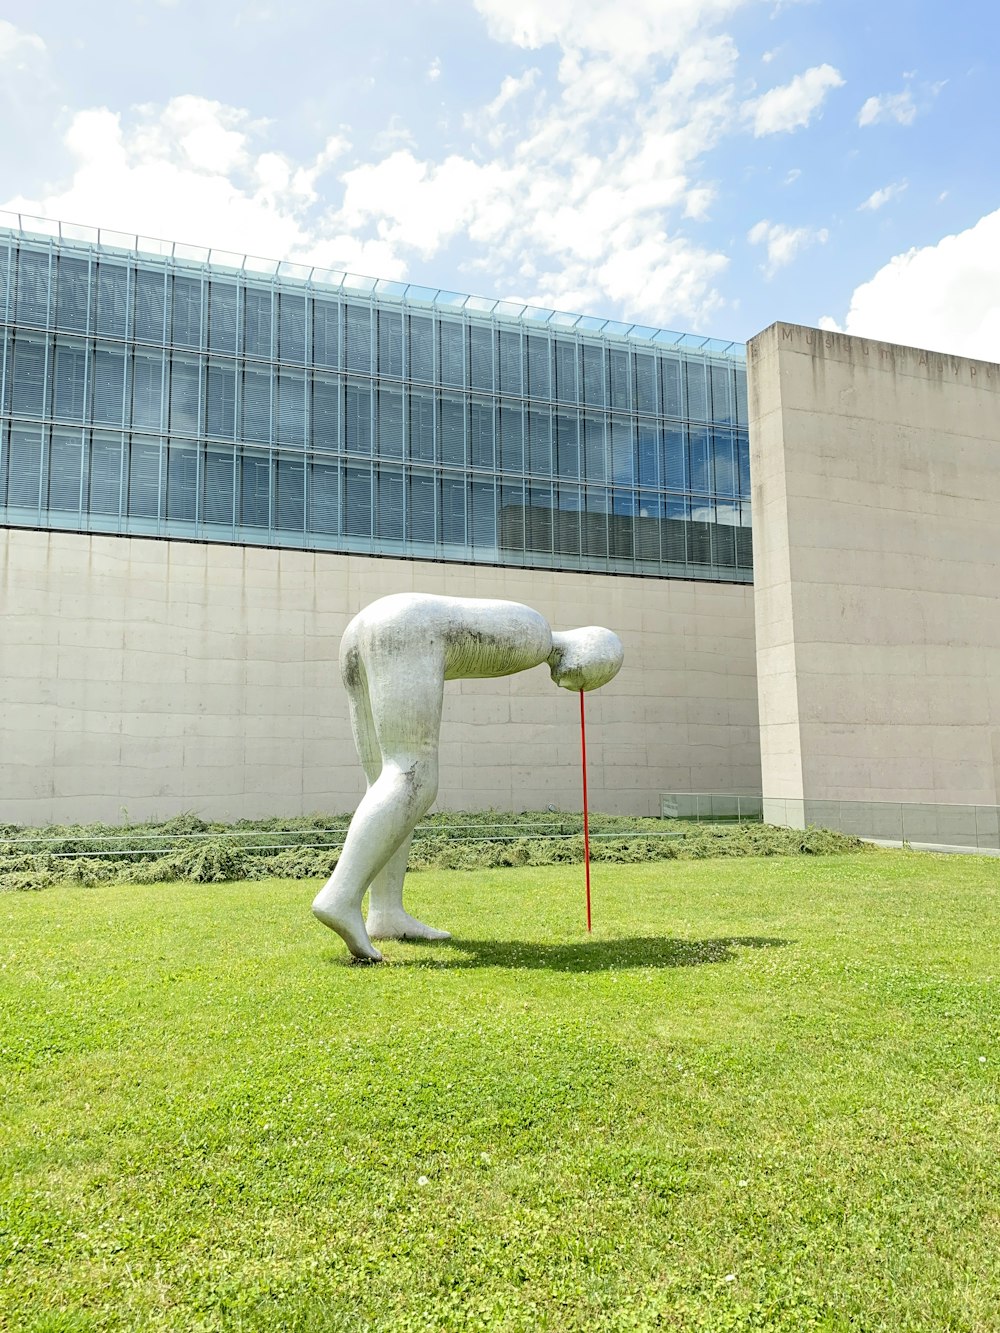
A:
x,y
160,676
876,493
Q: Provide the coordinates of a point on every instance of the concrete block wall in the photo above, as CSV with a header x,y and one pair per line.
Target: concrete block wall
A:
x,y
141,678
876,493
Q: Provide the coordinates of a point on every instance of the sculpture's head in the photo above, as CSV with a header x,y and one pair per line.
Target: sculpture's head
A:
x,y
585,659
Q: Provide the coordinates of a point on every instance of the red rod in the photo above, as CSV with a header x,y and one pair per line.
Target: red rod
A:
x,y
586,816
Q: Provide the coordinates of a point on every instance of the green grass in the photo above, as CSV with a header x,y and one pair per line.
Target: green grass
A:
x,y
762,1096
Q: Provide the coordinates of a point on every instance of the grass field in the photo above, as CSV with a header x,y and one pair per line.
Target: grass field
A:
x,y
763,1095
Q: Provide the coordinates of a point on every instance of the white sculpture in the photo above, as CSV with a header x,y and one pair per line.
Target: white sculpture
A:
x,y
395,656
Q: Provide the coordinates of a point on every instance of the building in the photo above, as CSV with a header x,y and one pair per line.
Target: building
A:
x,y
208,463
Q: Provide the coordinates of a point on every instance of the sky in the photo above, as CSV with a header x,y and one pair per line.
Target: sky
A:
x,y
700,165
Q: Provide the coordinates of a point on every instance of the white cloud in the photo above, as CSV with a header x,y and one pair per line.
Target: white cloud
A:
x,y
195,171
434,70
633,32
783,244
879,198
575,192
899,107
792,105
944,296
16,46
792,176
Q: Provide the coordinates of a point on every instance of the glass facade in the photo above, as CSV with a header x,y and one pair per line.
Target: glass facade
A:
x,y
151,389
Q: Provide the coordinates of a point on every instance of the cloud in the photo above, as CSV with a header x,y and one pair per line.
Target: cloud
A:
x,y
576,189
899,107
17,46
944,296
197,171
434,70
792,105
580,200
783,243
634,32
879,198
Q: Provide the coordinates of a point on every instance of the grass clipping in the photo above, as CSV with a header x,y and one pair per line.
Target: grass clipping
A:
x,y
192,849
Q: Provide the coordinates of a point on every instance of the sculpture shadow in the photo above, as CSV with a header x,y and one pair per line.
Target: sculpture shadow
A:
x,y
615,955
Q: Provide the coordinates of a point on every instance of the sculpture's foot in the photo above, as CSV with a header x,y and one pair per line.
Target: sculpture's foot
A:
x,y
399,925
349,925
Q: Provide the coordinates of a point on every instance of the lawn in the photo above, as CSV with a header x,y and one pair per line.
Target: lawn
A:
x,y
763,1095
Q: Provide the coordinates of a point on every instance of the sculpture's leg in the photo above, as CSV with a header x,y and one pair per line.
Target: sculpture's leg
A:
x,y
404,707
387,918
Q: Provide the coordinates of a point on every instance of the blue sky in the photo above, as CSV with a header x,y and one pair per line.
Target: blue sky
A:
x,y
708,165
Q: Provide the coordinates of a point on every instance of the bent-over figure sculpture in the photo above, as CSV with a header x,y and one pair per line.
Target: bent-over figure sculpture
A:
x,y
395,656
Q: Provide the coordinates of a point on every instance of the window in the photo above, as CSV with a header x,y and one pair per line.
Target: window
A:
x,y
112,299
323,498
390,423
567,445
358,337
326,390
358,501
453,510
289,494
451,359
107,461
220,400
421,348
185,376
480,357
186,324
511,438
109,386
144,478
452,429
565,358
292,327
73,295
326,333
69,380
66,472
256,404
32,293
421,515
539,376
511,380
24,478
645,384
422,426
670,378
147,389
389,513
257,323
593,375
291,414
481,434
595,460
27,389
620,377
182,481
255,488
219,489
149,305
222,317
390,343
358,418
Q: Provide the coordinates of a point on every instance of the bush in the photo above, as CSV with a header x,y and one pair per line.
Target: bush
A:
x,y
190,848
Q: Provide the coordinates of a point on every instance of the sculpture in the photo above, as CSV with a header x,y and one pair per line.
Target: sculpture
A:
x,y
395,656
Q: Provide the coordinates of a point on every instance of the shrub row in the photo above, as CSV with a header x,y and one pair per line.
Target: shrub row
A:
x,y
189,848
